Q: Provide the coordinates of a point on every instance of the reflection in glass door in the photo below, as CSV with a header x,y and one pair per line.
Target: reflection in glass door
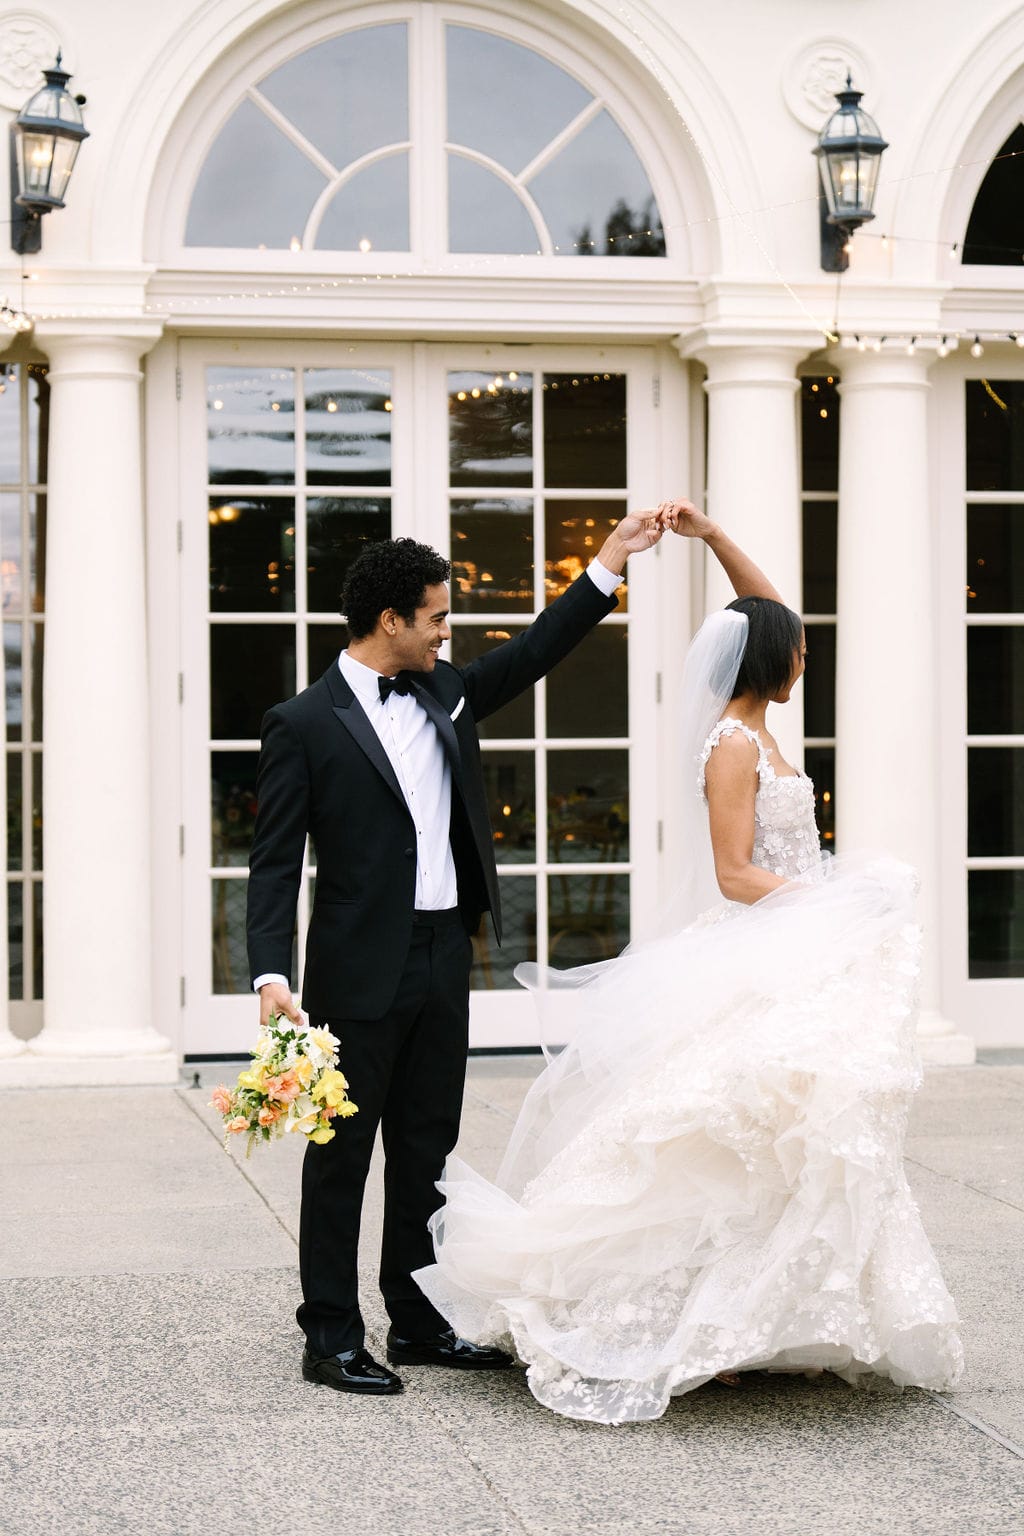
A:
x,y
302,464
298,479
537,478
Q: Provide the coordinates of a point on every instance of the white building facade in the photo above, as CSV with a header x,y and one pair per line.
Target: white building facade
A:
x,y
489,274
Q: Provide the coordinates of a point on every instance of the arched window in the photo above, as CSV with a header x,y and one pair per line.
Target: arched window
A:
x,y
995,232
513,155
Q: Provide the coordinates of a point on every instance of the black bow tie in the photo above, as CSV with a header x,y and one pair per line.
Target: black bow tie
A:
x,y
403,683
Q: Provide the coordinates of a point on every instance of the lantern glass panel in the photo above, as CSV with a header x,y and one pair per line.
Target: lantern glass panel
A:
x,y
868,168
35,163
65,152
845,169
54,102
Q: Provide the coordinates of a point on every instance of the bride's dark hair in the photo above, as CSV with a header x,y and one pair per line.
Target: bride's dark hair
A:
x,y
773,634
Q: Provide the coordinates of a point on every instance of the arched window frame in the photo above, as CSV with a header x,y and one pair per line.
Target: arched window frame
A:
x,y
978,149
615,81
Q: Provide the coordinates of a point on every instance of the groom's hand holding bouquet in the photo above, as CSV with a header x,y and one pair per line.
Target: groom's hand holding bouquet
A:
x,y
293,1084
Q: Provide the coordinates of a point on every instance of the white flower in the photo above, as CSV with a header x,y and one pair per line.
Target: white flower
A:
x,y
321,1047
302,1115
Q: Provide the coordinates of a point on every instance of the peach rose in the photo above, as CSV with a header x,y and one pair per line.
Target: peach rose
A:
x,y
239,1123
222,1100
268,1114
284,1088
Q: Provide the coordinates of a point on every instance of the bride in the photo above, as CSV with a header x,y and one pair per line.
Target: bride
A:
x,y
708,1179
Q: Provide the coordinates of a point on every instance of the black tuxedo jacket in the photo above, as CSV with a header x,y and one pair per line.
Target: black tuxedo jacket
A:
x,y
324,772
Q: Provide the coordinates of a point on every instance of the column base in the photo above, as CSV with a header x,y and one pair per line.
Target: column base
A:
x,y
941,1044
34,1071
111,1058
10,1046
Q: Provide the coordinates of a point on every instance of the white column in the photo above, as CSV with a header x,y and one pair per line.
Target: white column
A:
x,y
96,890
754,483
887,744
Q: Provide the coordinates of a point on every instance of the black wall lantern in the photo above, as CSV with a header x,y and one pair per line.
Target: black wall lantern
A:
x,y
45,137
849,151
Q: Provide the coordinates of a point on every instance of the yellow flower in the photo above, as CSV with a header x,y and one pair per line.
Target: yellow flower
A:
x,y
303,1070
330,1090
252,1077
347,1109
322,1134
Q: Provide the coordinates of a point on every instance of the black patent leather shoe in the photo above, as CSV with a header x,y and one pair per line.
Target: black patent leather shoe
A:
x,y
445,1349
353,1370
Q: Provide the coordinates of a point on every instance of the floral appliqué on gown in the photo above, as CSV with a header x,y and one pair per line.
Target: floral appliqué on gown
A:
x,y
710,1175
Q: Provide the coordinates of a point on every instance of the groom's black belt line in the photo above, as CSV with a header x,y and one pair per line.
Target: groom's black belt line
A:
x,y
445,918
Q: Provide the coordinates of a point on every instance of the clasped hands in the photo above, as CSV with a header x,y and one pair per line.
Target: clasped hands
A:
x,y
642,530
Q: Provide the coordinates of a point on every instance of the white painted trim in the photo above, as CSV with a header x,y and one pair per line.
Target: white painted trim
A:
x,y
561,140
991,1010
209,78
291,133
341,178
975,109
514,185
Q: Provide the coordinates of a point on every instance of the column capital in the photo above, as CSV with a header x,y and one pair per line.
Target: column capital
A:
x,y
882,370
753,359
90,349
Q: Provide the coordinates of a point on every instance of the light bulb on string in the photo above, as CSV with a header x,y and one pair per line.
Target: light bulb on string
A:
x,y
953,250
876,345
943,348
862,346
911,346
977,349
1019,339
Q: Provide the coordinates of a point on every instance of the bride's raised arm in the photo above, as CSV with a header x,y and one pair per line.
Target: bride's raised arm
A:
x,y
747,579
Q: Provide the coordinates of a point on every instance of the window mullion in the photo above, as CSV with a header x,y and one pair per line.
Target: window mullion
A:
x,y
428,181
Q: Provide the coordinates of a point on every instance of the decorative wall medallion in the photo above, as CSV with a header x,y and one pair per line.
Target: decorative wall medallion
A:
x,y
28,45
814,75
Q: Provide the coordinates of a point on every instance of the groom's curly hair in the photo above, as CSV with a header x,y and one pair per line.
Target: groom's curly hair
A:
x,y
773,635
394,573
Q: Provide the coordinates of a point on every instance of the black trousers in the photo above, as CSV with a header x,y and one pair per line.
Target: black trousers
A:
x,y
407,1073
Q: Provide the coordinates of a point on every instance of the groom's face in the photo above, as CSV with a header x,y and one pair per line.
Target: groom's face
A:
x,y
418,643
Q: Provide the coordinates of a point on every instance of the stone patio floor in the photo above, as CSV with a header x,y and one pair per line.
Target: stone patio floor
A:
x,y
150,1374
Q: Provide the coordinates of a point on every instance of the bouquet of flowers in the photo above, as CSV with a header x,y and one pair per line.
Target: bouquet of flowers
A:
x,y
293,1085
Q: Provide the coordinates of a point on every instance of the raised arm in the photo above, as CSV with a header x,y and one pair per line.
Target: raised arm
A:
x,y
746,578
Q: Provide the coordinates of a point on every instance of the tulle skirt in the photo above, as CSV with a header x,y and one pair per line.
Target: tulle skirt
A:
x,y
709,1175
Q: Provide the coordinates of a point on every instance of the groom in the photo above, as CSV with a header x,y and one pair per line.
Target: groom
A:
x,y
379,764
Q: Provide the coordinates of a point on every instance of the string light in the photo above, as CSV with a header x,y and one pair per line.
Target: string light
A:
x,y
15,320
977,349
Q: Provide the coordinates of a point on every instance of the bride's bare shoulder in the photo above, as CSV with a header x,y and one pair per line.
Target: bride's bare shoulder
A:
x,y
731,753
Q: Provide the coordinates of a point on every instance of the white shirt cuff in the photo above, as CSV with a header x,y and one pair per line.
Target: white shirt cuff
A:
x,y
261,981
604,580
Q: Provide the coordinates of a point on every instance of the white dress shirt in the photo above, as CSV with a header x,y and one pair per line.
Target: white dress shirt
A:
x,y
421,766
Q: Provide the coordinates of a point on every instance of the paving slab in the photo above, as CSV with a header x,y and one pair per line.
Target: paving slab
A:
x,y
150,1376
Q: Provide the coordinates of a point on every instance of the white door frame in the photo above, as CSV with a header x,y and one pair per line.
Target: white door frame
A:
x,y
991,1010
222,1024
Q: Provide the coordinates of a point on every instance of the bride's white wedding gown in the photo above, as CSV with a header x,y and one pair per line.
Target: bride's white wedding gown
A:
x,y
709,1177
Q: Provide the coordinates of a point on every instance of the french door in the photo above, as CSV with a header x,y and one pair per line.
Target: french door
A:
x,y
513,460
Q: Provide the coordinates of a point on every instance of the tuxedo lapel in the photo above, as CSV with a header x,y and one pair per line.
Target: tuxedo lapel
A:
x,y
442,723
350,712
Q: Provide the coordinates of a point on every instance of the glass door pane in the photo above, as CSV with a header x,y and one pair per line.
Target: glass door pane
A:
x,y
297,477
536,480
